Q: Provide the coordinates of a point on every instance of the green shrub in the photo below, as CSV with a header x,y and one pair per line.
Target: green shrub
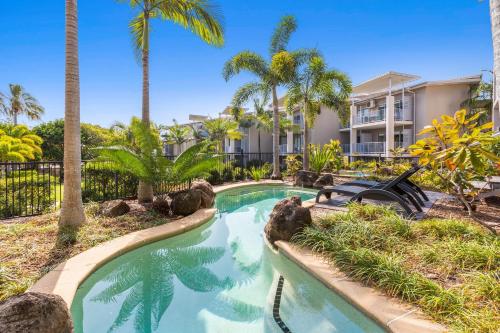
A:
x,y
293,165
319,158
101,181
260,173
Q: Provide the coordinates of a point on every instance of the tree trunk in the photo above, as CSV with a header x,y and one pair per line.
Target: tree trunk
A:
x,y
258,144
15,118
72,213
495,31
145,191
305,159
276,137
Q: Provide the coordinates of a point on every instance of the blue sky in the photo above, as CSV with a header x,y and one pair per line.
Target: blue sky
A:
x,y
436,39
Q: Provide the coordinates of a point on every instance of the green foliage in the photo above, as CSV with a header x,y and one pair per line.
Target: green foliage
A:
x,y
257,173
293,165
337,160
19,144
29,192
320,158
378,247
92,136
456,149
220,128
177,134
20,102
103,181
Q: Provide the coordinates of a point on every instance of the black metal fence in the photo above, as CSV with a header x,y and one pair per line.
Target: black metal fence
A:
x,y
34,188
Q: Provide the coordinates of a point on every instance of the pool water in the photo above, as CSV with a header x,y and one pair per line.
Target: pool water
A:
x,y
218,278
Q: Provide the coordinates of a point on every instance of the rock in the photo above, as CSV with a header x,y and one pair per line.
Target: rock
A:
x,y
206,191
287,219
305,178
323,180
493,201
297,200
115,208
185,202
161,206
35,313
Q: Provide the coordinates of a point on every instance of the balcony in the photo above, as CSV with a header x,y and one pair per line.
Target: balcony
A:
x,y
367,117
346,148
369,148
283,148
402,115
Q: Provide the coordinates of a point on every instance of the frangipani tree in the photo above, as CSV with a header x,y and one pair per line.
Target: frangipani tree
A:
x,y
456,150
199,16
271,74
312,87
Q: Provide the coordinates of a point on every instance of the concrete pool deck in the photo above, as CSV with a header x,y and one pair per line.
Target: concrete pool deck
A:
x,y
392,315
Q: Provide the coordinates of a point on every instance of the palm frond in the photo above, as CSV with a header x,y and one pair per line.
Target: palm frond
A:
x,y
249,91
246,61
281,36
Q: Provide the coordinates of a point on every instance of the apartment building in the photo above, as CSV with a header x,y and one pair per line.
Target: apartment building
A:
x,y
388,111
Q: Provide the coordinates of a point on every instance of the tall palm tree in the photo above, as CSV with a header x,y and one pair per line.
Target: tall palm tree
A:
x,y
72,213
313,86
199,16
20,102
495,30
220,128
271,74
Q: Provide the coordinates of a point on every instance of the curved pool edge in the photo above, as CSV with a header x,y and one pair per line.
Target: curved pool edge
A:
x,y
65,279
388,312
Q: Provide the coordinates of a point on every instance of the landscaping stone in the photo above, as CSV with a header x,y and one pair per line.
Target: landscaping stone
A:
x,y
115,208
287,218
305,178
323,180
186,202
206,191
35,313
161,206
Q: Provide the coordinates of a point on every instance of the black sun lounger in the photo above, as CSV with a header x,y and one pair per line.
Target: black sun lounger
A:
x,y
396,190
406,185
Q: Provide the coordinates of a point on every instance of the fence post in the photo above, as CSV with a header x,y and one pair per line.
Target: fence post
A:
x,y
243,164
116,185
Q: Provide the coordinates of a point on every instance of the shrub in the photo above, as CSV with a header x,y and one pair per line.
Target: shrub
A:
x,y
320,158
101,181
260,173
293,165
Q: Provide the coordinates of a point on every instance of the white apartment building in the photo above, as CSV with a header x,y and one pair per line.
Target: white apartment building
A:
x,y
386,112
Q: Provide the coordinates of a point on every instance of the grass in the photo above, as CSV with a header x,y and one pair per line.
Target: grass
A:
x,y
30,248
448,268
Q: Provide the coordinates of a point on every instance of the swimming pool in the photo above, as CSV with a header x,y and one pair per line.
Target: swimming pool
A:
x,y
218,278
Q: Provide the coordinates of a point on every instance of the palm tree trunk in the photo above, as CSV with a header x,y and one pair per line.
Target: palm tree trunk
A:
x,y
15,118
276,137
305,162
258,144
72,213
495,30
145,191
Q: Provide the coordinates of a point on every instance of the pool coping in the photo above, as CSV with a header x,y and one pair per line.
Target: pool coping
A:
x,y
66,277
390,313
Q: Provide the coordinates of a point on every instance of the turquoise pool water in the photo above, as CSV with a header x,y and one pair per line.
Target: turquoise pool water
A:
x,y
218,278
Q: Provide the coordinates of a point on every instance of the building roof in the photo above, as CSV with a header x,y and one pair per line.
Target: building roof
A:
x,y
197,117
383,82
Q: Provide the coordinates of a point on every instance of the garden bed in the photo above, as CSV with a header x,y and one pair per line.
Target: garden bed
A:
x,y
31,247
447,267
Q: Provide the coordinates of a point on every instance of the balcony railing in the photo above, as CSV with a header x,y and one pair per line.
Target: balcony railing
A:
x,y
283,148
346,148
369,148
379,115
402,114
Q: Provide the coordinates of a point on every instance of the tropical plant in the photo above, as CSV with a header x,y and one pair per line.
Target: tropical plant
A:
x,y
177,134
220,128
72,213
457,150
199,16
337,160
19,144
480,99
258,173
198,134
320,158
20,102
293,165
312,87
146,161
271,74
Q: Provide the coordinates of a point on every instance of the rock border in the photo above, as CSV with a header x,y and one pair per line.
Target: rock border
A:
x,y
390,313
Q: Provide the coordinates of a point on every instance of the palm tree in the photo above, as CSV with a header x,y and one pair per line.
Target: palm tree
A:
x,y
199,16
20,102
177,134
72,213
270,74
495,29
220,128
313,86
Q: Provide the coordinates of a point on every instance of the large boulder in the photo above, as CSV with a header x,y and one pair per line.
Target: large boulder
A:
x,y
161,206
115,208
323,180
305,178
35,313
186,202
206,191
287,218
